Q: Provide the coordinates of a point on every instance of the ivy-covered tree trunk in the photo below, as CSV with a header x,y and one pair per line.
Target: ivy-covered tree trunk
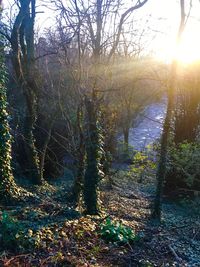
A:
x,y
29,140
78,183
8,188
22,43
93,157
30,92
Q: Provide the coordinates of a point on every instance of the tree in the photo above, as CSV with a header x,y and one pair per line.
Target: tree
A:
x,y
94,146
88,22
187,119
161,171
8,188
134,90
22,45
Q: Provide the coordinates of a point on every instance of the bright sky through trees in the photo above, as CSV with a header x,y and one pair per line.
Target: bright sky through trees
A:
x,y
165,43
163,23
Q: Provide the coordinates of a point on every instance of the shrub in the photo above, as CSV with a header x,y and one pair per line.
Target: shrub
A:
x,y
115,232
184,168
9,230
143,163
13,235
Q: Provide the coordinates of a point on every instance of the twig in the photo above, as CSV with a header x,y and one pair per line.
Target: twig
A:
x,y
18,256
175,254
130,246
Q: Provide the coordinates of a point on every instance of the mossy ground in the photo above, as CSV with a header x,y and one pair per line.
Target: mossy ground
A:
x,y
53,233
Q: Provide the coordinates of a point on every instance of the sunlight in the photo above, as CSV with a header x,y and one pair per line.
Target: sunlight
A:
x,y
188,51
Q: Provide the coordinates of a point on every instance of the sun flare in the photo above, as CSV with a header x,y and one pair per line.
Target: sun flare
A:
x,y
187,52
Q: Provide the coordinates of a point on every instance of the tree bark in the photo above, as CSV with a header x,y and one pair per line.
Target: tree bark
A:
x,y
44,150
161,171
92,174
126,139
78,184
8,187
22,43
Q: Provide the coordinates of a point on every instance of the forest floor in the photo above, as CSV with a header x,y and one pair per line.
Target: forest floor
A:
x,y
48,232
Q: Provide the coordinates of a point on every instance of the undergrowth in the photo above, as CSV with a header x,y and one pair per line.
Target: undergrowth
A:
x,y
116,232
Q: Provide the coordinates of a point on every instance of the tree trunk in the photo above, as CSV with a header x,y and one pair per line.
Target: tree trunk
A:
x,y
22,42
92,173
126,139
78,184
8,188
161,171
44,150
29,141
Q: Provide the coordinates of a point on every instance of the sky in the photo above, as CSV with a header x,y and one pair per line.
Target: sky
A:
x,y
163,24
164,43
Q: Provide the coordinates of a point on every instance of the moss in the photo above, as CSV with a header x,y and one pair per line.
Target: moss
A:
x,y
93,172
8,188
